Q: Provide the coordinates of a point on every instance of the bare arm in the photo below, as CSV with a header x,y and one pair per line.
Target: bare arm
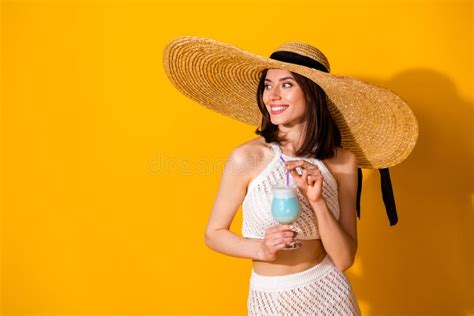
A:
x,y
340,237
230,195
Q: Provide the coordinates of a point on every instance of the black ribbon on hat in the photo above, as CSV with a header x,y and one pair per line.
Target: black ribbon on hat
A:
x,y
386,183
387,195
295,58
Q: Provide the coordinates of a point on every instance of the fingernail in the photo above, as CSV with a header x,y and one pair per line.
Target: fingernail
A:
x,y
292,227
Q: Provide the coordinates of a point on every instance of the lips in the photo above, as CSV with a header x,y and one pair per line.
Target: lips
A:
x,y
278,108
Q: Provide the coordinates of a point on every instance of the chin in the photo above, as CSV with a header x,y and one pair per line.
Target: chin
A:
x,y
276,122
280,122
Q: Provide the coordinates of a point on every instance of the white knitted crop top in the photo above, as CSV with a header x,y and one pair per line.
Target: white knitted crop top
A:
x,y
256,207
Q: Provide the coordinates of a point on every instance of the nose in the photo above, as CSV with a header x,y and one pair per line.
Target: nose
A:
x,y
275,94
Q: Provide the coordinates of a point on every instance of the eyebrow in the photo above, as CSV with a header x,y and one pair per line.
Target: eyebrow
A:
x,y
281,79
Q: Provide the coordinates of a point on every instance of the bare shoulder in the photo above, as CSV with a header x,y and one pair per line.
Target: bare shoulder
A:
x,y
343,163
251,149
250,156
345,158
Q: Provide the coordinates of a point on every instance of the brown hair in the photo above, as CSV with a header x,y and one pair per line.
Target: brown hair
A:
x,y
322,135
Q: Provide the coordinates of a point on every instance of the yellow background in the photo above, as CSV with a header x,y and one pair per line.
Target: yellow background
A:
x,y
109,173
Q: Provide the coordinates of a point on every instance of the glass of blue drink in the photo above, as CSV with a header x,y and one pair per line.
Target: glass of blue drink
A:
x,y
286,208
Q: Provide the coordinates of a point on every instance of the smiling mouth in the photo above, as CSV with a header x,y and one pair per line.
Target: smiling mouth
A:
x,y
277,109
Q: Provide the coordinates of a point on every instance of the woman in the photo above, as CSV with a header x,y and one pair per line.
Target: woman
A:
x,y
301,134
283,102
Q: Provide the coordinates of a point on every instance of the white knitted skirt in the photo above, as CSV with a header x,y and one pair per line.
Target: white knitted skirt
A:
x,y
320,290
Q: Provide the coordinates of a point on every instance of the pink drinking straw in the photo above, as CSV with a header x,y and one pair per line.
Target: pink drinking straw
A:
x,y
287,173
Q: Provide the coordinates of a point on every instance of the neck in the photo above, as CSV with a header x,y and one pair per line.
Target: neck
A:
x,y
293,138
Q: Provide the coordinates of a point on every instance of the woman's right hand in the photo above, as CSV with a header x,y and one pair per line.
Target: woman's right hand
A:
x,y
276,238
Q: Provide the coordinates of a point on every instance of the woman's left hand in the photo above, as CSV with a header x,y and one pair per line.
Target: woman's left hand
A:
x,y
310,182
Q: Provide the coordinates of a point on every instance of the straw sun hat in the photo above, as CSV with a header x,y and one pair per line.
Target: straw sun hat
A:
x,y
375,124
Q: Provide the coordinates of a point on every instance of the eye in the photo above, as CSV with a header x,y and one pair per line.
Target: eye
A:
x,y
287,84
266,86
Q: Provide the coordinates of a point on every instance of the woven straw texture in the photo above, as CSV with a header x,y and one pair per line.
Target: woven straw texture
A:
x,y
305,50
376,124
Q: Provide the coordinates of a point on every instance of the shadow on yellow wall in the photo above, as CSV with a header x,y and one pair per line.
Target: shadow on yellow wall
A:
x,y
427,257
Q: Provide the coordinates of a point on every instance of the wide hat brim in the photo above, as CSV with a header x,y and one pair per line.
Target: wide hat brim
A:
x,y
376,124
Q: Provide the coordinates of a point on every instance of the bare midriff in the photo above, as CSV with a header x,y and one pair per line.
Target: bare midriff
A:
x,y
292,261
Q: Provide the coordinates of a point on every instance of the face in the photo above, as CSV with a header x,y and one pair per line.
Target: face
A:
x,y
283,98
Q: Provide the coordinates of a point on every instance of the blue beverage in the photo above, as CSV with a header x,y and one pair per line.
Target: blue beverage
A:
x,y
285,205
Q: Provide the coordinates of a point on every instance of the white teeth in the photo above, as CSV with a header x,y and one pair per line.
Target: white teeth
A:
x,y
278,108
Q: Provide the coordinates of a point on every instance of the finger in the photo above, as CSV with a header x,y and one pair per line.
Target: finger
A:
x,y
318,177
285,234
280,247
276,242
272,230
282,228
292,164
295,175
300,163
283,242
304,177
292,244
279,241
311,167
276,238
277,228
313,174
